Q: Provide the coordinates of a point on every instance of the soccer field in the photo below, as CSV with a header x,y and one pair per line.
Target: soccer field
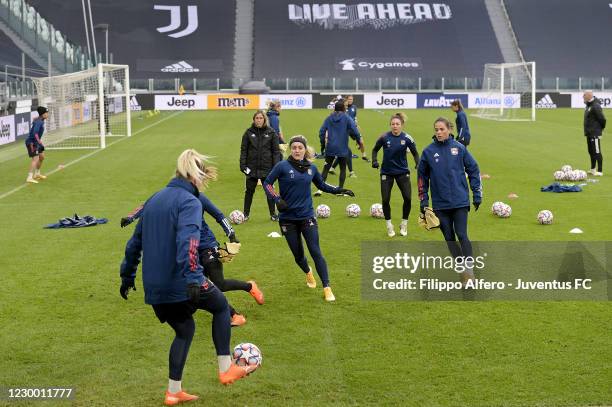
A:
x,y
64,323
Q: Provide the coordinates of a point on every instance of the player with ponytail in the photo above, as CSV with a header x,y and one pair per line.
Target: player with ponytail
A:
x,y
167,237
294,203
395,144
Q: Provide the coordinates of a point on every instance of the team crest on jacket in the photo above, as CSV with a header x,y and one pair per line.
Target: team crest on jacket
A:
x,y
454,151
252,134
403,142
291,174
309,171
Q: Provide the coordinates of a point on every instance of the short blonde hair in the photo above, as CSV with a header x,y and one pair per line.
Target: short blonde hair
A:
x,y
191,164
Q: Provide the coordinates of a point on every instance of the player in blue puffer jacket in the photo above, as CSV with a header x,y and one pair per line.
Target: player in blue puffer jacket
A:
x,y
442,174
167,236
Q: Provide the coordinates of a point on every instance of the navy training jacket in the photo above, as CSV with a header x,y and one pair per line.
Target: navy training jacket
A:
x,y
167,236
294,187
394,153
338,126
442,170
463,128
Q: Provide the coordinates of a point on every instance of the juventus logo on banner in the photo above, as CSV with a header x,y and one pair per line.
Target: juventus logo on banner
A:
x,y
175,20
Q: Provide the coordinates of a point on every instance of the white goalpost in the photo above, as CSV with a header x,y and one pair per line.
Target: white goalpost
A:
x,y
86,107
509,92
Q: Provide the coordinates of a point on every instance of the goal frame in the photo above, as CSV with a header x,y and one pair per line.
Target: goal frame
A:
x,y
501,92
101,93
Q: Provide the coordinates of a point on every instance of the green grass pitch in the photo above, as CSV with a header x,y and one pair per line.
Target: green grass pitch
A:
x,y
64,324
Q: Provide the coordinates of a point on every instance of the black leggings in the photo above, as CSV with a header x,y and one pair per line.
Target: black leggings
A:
x,y
349,161
453,224
179,349
251,184
213,301
328,163
293,230
386,185
213,270
594,145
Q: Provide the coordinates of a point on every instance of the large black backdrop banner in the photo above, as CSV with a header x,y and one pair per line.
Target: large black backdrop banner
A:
x,y
159,38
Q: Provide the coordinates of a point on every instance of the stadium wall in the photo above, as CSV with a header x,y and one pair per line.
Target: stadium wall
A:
x,y
16,126
385,100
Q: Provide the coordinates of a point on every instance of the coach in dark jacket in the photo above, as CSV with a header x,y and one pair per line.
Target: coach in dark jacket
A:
x,y
259,153
594,123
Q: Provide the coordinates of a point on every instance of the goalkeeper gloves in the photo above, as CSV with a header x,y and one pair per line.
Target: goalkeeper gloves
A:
x,y
227,253
125,289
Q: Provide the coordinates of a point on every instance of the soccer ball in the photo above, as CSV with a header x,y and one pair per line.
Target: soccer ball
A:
x,y
576,175
545,217
247,354
581,175
323,211
376,211
566,168
353,210
236,217
501,209
559,175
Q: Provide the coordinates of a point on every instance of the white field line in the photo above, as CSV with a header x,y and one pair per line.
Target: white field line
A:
x,y
20,187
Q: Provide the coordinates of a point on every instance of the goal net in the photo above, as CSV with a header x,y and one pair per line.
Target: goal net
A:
x,y
86,107
508,92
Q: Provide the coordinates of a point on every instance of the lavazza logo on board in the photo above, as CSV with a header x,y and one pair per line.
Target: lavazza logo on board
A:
x,y
436,100
378,64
